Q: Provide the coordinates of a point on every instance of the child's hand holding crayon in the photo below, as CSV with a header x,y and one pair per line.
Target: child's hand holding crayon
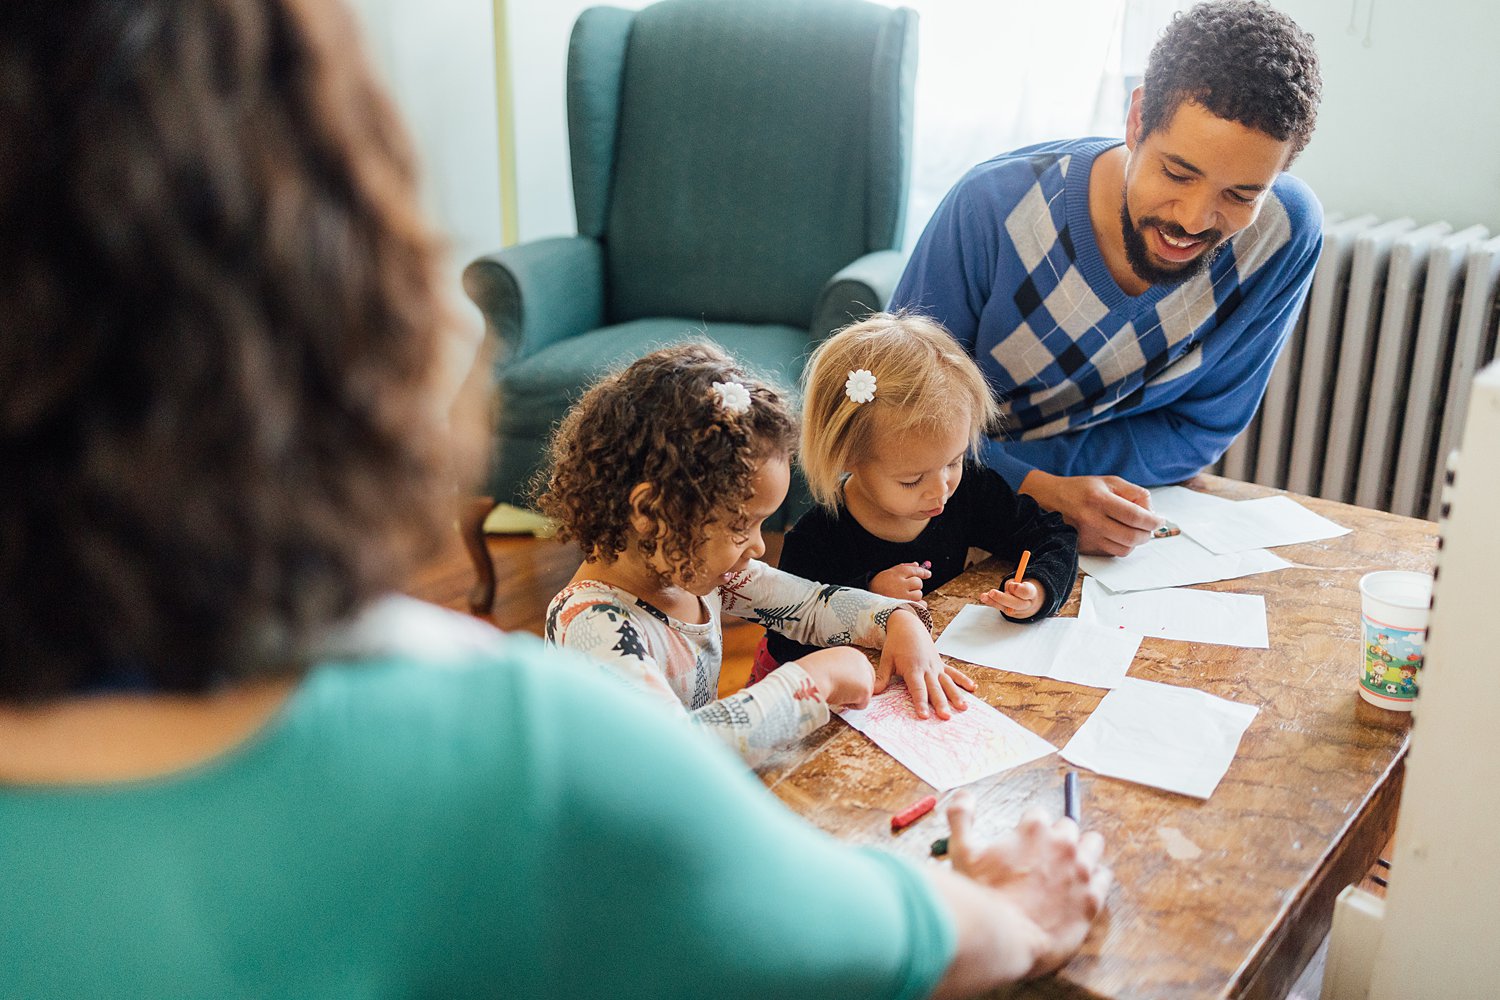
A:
x,y
1021,598
1018,600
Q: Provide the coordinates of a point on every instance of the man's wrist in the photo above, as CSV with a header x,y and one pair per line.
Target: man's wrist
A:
x,y
1036,483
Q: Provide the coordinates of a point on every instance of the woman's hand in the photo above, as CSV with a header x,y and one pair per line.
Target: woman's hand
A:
x,y
910,655
1055,879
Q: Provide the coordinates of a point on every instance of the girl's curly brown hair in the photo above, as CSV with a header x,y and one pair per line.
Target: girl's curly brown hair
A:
x,y
659,422
222,331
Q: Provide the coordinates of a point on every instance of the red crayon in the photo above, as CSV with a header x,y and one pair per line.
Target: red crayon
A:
x,y
913,812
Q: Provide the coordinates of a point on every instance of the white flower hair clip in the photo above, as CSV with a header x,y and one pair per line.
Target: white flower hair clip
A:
x,y
860,386
733,397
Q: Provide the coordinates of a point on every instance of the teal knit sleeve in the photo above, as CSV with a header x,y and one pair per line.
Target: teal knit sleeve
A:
x,y
669,871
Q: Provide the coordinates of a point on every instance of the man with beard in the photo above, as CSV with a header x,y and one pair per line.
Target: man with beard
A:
x,y
1127,301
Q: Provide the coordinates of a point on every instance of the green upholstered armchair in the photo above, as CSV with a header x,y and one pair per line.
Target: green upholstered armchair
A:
x,y
740,171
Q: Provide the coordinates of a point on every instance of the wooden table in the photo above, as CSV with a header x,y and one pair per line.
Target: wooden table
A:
x,y
1224,898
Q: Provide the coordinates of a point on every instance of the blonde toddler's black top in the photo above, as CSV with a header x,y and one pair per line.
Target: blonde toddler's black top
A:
x,y
984,513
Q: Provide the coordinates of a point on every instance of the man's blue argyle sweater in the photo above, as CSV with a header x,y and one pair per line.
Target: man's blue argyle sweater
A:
x,y
1093,381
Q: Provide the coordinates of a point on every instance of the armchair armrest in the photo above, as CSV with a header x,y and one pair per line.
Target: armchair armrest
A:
x,y
538,293
862,287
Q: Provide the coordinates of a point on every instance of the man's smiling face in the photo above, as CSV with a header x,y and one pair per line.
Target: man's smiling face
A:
x,y
1189,186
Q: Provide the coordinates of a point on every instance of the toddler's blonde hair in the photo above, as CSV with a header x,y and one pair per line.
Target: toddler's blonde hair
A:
x,y
922,377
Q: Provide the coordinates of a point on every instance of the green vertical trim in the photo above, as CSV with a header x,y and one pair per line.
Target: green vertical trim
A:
x,y
506,112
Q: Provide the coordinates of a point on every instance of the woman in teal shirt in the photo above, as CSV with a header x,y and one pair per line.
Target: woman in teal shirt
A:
x,y
228,766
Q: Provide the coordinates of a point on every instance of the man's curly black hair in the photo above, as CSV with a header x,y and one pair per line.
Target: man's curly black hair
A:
x,y
1242,61
658,421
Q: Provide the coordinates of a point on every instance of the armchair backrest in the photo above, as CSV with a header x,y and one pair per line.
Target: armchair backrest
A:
x,y
731,155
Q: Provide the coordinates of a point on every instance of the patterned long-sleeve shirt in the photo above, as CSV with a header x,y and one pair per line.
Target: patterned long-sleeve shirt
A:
x,y
678,662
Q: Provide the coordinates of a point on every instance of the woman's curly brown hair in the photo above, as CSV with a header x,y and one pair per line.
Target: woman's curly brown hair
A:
x,y
1243,61
218,426
660,422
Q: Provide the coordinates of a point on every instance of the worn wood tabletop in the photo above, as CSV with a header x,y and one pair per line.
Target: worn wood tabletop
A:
x,y
1227,897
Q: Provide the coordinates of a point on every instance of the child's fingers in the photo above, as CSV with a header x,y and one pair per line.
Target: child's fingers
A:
x,y
1002,601
955,696
960,678
918,692
921,699
855,703
882,676
936,696
1025,591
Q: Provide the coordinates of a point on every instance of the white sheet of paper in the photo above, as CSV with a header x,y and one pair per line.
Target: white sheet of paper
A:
x,y
1256,524
1160,735
1189,615
1064,649
973,744
1175,562
1178,503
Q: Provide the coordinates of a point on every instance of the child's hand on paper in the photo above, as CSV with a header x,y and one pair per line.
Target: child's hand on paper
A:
x,y
843,675
902,581
1019,600
910,655
1055,879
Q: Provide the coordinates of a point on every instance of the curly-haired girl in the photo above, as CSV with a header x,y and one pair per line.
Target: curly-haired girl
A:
x,y
663,474
893,412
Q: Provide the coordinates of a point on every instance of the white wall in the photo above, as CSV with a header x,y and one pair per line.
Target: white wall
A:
x,y
438,59
1410,123
537,36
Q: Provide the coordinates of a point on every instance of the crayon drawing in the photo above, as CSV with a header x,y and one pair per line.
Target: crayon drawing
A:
x,y
971,745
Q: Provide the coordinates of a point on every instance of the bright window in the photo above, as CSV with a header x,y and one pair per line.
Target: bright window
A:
x,y
993,75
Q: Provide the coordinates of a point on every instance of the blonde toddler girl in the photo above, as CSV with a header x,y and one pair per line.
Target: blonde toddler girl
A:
x,y
894,411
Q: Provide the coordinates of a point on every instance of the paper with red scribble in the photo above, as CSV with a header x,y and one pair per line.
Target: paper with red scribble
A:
x,y
973,744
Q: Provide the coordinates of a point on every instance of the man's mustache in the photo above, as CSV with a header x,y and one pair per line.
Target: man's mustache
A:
x,y
1172,229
